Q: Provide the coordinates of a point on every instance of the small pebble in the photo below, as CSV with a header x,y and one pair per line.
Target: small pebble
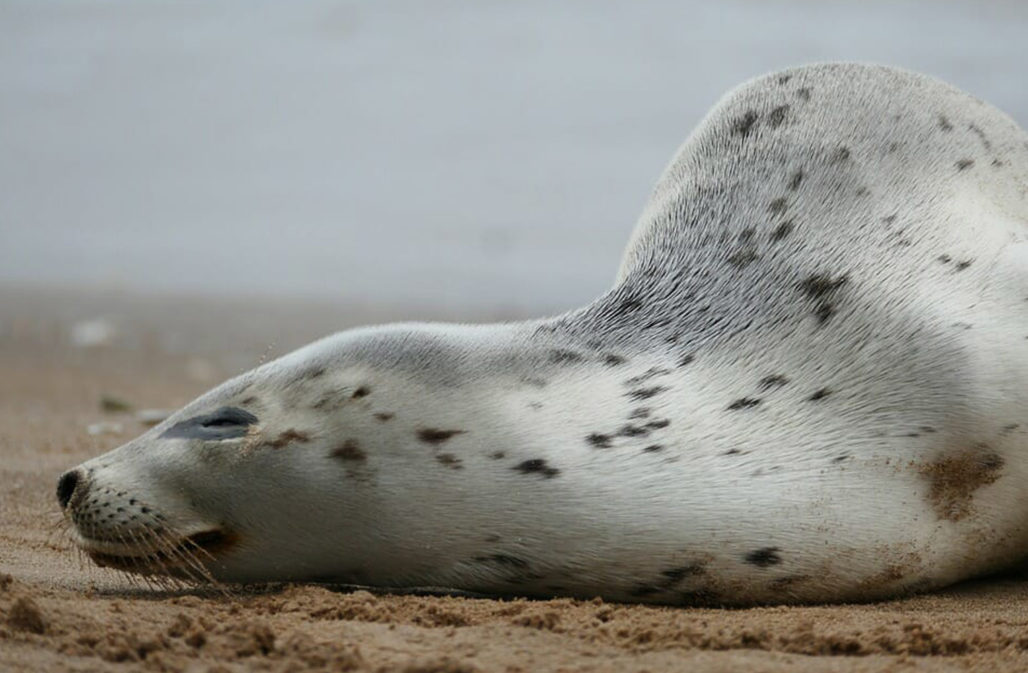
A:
x,y
105,428
93,333
114,405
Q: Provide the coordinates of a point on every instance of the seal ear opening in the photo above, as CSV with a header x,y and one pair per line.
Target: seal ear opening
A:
x,y
224,423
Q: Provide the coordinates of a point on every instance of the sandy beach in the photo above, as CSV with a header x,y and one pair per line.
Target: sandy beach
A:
x,y
58,613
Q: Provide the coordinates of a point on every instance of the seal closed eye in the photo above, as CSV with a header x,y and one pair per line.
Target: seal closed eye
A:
x,y
225,423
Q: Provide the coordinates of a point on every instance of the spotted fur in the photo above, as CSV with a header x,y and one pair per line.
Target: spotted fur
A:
x,y
807,383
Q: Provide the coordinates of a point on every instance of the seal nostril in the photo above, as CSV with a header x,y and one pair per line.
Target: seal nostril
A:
x,y
66,487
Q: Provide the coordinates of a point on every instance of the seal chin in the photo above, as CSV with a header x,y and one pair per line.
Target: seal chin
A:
x,y
181,557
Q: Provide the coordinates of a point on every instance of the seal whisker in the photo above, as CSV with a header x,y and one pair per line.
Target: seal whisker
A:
x,y
162,546
152,556
185,550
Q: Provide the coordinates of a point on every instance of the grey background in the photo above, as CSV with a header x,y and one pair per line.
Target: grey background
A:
x,y
455,154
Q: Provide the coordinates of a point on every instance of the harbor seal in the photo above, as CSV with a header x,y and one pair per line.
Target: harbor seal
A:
x,y
807,384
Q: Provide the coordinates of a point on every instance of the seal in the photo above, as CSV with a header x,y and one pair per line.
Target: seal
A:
x,y
807,384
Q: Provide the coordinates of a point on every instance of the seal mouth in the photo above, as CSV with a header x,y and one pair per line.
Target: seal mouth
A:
x,y
185,556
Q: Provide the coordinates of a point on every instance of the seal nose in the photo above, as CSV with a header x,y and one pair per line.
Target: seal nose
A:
x,y
66,486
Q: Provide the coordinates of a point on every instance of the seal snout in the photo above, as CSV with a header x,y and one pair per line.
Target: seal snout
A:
x,y
67,485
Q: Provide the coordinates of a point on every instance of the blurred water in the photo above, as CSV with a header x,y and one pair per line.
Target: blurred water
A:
x,y
448,153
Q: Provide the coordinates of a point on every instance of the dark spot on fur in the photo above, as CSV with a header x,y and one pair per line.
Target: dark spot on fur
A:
x,y
840,155
632,431
746,235
537,466
559,356
744,403
773,381
784,79
777,116
599,440
685,360
641,412
498,455
981,136
964,164
249,400
963,264
647,393
820,287
795,180
803,94
820,395
781,231
743,258
629,305
744,125
658,424
731,452
653,448
889,219
1011,427
436,436
944,124
926,428
613,360
996,163
650,373
288,437
675,575
839,459
503,559
350,450
362,391
765,557
953,480
778,206
863,191
449,460
945,259
657,322
534,382
316,373
384,416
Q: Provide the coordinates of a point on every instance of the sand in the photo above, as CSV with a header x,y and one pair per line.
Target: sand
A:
x,y
59,614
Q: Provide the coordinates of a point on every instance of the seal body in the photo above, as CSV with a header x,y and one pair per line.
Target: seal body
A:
x,y
806,384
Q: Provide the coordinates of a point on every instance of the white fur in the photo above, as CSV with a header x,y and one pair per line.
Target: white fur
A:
x,y
891,275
